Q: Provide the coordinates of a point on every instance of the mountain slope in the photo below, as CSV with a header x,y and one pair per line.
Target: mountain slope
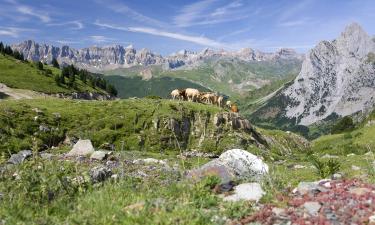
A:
x,y
18,74
337,79
230,76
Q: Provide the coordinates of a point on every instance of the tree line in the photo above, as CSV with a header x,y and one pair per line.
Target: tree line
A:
x,y
68,73
7,50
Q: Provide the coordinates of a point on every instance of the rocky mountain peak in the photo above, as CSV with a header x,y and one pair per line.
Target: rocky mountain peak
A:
x,y
335,79
355,41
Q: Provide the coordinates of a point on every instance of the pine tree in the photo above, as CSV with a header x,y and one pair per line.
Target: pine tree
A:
x,y
55,63
111,90
1,47
8,50
39,65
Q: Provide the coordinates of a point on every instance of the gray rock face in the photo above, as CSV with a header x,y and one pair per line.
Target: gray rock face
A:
x,y
112,57
20,157
81,148
337,78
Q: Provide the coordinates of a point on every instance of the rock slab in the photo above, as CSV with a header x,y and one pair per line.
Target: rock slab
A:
x,y
81,148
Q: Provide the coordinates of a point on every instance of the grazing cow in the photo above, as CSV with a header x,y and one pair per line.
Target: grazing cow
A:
x,y
228,104
176,94
192,94
234,108
220,101
207,97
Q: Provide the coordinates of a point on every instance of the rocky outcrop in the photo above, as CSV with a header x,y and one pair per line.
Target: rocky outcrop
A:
x,y
210,132
85,96
337,78
112,57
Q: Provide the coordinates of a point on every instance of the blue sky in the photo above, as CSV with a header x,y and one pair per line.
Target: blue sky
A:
x,y
171,25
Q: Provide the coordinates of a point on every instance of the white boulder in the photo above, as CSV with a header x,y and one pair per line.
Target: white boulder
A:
x,y
246,192
81,148
243,163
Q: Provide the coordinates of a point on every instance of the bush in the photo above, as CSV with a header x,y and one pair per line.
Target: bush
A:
x,y
325,169
344,125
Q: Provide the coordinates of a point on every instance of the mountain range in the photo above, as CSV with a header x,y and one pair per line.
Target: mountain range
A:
x,y
113,57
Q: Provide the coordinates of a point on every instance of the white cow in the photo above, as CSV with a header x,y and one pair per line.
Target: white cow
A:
x,y
192,94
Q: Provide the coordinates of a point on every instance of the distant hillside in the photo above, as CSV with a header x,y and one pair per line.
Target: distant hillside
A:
x,y
232,77
47,79
137,87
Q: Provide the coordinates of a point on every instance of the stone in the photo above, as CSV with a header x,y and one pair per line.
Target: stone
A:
x,y
350,155
100,155
100,174
306,187
371,219
20,157
246,192
45,155
312,207
299,167
243,163
359,191
355,168
149,161
336,176
81,148
213,168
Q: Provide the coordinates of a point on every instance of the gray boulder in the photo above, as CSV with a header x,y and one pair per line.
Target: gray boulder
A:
x,y
100,155
100,174
20,157
81,148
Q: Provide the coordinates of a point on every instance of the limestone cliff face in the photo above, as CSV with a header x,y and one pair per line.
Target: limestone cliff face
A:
x,y
337,77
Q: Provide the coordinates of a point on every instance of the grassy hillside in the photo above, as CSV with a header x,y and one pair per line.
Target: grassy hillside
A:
x,y
25,75
137,87
228,76
59,191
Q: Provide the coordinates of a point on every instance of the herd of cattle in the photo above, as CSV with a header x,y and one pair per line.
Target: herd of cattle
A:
x,y
194,95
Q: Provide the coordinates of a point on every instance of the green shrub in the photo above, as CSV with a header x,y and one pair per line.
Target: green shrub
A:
x,y
325,169
344,125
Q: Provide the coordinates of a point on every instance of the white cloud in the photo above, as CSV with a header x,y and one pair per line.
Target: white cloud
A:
x,y
293,10
67,42
201,40
26,10
77,25
21,12
14,32
119,7
208,12
100,39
